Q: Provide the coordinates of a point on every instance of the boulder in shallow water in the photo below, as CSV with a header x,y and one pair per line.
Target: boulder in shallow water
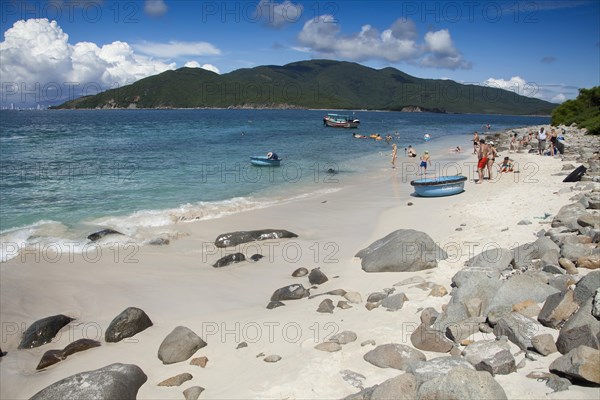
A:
x,y
100,234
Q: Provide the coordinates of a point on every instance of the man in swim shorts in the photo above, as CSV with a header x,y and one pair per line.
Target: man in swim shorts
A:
x,y
482,157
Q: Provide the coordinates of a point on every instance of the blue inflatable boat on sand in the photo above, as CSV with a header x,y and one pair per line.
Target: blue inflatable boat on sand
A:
x,y
439,186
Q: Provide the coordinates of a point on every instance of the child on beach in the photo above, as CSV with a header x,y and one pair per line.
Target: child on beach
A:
x,y
424,162
506,165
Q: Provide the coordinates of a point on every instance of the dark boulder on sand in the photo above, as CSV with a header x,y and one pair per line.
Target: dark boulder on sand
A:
x,y
43,331
404,250
290,292
229,259
51,357
115,381
127,324
240,237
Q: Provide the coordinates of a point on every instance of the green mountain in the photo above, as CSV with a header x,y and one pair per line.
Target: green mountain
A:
x,y
583,111
311,84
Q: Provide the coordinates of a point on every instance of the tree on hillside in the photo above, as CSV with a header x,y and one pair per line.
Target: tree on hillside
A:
x,y
583,111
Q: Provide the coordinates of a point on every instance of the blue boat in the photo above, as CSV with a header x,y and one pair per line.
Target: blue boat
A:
x,y
440,186
265,161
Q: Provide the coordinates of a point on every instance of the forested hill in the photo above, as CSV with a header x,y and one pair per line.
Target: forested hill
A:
x,y
320,84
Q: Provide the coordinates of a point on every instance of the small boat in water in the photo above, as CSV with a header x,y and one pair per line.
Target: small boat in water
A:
x,y
440,186
341,121
270,160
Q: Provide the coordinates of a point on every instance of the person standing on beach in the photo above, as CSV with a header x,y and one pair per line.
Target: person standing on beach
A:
x,y
541,141
491,159
475,142
482,159
424,162
553,138
394,155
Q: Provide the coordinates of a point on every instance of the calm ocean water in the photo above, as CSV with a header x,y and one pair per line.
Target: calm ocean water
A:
x,y
67,173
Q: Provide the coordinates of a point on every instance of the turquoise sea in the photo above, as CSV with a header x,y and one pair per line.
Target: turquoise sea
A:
x,y
65,174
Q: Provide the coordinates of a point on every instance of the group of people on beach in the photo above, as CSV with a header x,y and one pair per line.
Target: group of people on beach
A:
x,y
410,152
486,157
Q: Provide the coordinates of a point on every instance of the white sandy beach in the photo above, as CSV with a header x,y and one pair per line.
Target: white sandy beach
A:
x,y
177,285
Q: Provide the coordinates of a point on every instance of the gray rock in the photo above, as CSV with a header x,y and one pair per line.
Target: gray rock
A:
x,y
328,347
229,259
573,252
368,342
567,216
581,329
127,324
568,265
159,242
274,304
376,297
557,383
43,331
401,387
436,367
179,345
586,287
344,337
518,328
176,380
393,355
241,345
317,277
300,272
524,222
557,309
192,393
428,339
290,292
353,297
429,315
394,302
240,237
544,344
53,356
115,381
413,280
344,305
273,358
493,356
589,262
524,254
590,220
462,383
519,288
353,378
562,282
493,259
580,363
326,306
464,329
404,250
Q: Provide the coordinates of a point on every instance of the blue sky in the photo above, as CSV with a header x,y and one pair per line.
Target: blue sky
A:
x,y
546,49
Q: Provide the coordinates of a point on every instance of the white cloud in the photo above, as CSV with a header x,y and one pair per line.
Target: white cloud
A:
x,y
196,64
323,36
155,8
175,48
559,98
37,51
555,93
278,15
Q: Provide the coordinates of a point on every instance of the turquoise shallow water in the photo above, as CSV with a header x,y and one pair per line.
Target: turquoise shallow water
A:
x,y
66,170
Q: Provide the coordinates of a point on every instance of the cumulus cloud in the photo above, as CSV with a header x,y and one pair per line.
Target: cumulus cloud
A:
x,y
155,8
277,15
175,48
399,42
555,93
196,64
38,52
